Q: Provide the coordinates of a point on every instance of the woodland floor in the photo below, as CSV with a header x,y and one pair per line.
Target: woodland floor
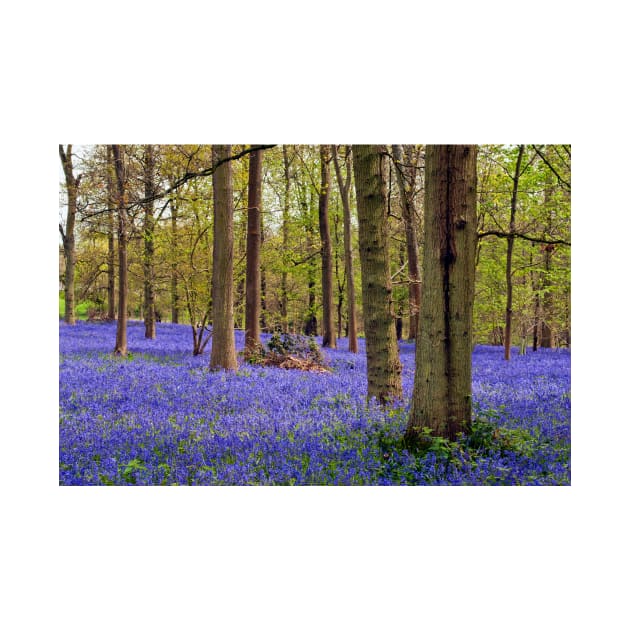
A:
x,y
160,417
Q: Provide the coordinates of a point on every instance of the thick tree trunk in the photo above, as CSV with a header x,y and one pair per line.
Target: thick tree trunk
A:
x,y
253,271
411,236
111,250
72,185
328,320
510,249
223,355
383,361
121,325
344,188
442,394
149,244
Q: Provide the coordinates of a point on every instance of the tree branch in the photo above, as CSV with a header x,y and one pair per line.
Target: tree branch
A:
x,y
203,173
551,168
533,239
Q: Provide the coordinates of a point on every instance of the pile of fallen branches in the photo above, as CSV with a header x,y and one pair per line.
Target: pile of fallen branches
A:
x,y
289,352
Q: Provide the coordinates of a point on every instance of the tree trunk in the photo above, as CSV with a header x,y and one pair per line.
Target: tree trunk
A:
x,y
328,320
535,289
111,251
121,325
547,337
510,249
383,361
174,287
284,297
69,250
310,322
344,188
406,188
223,355
442,395
253,272
149,245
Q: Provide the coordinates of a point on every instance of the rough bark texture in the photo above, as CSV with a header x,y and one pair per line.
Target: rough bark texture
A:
x,y
383,361
111,250
344,189
508,265
149,245
72,185
328,320
223,355
442,394
253,271
121,325
411,234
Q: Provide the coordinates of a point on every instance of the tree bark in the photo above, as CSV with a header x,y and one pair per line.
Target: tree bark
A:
x,y
383,361
344,189
442,395
121,325
284,296
174,284
328,320
547,336
510,249
253,271
149,244
111,250
69,250
223,355
411,236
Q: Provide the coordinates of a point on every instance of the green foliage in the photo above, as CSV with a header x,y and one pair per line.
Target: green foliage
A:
x,y
81,310
487,435
130,470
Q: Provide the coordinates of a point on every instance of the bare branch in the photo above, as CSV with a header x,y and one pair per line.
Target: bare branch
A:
x,y
533,239
551,168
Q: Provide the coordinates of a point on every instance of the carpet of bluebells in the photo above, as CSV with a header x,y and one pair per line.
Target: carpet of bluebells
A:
x,y
160,417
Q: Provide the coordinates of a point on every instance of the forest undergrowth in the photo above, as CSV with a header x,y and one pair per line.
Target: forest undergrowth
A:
x,y
159,417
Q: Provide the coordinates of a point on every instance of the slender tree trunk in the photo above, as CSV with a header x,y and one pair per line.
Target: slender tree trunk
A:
x,y
510,249
328,320
344,188
383,361
174,287
547,337
223,355
111,251
149,244
263,282
535,288
411,236
310,325
284,297
69,250
442,394
253,272
121,326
